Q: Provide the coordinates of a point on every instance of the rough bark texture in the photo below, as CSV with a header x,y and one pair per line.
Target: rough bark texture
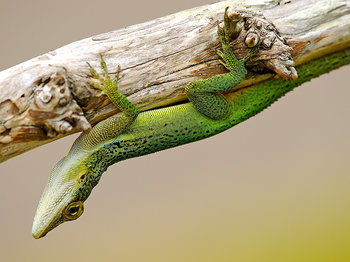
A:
x,y
49,96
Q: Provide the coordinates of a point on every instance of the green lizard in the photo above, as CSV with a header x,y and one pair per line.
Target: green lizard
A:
x,y
129,134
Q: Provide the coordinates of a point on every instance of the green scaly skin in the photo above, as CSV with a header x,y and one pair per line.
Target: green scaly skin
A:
x,y
129,134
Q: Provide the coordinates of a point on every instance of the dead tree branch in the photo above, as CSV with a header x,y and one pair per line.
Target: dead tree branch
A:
x,y
49,97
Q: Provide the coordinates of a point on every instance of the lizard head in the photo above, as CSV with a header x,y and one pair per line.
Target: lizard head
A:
x,y
70,183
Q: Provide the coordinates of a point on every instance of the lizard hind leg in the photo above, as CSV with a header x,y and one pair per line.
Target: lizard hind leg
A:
x,y
205,94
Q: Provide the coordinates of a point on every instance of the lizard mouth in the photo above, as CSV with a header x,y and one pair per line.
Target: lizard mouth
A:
x,y
40,228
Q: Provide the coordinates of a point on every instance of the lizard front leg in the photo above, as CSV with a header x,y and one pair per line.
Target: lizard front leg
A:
x,y
206,94
116,124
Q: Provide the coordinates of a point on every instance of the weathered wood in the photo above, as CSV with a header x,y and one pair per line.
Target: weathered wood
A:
x,y
48,97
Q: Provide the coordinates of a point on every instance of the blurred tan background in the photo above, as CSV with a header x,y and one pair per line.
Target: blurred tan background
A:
x,y
274,188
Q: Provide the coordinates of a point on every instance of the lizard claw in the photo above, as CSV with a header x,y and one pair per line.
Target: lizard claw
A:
x,y
116,78
220,53
224,64
221,34
104,67
232,24
106,83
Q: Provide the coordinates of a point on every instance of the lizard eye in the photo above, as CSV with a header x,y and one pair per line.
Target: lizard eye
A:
x,y
73,210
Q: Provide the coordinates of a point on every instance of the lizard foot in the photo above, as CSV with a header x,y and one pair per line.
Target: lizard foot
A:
x,y
107,85
231,29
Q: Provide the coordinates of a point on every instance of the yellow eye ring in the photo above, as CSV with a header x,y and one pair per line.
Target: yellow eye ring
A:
x,y
73,210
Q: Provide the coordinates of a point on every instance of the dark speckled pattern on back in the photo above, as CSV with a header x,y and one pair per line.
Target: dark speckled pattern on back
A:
x,y
168,127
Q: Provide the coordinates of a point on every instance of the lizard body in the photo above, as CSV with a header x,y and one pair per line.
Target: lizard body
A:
x,y
129,134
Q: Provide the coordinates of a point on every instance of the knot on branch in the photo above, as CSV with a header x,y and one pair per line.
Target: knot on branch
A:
x,y
55,107
46,109
256,30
